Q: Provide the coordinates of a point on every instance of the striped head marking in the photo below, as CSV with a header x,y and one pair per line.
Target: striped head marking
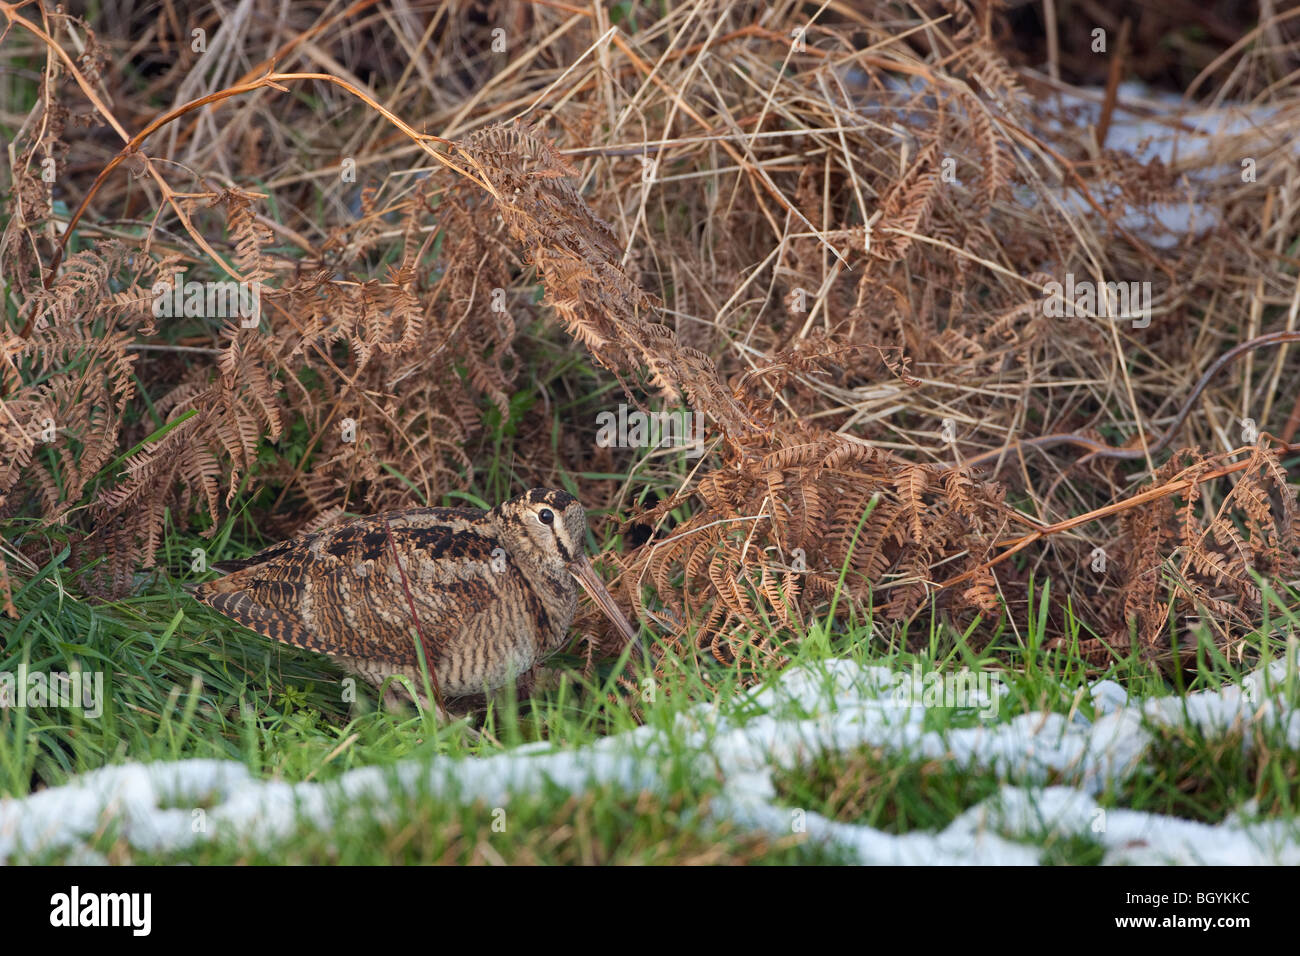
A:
x,y
545,526
548,529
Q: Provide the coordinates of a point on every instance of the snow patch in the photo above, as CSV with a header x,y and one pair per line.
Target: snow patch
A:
x,y
835,706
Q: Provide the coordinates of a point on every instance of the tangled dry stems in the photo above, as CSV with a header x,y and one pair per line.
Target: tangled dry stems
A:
x,y
773,235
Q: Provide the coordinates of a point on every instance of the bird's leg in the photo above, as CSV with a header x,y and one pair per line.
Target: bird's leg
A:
x,y
443,717
401,691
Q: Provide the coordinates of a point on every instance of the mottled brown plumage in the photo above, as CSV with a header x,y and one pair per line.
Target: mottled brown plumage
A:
x,y
494,591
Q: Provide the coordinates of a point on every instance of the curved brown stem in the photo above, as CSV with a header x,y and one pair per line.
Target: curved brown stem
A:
x,y
425,646
1097,449
1174,486
272,80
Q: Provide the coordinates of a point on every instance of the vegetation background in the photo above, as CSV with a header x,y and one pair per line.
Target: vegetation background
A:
x,y
477,226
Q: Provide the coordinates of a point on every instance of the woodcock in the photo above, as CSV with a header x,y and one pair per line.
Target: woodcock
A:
x,y
493,591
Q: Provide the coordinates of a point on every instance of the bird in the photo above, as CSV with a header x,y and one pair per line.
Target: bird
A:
x,y
487,594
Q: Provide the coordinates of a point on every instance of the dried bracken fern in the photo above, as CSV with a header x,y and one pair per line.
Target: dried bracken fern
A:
x,y
1186,556
835,252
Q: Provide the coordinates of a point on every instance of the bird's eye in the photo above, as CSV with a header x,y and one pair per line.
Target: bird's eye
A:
x,y
546,516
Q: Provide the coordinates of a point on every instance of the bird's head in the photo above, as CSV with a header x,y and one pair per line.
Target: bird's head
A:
x,y
547,528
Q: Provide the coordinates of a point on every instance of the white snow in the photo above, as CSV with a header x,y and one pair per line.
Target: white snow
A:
x,y
1209,143
836,706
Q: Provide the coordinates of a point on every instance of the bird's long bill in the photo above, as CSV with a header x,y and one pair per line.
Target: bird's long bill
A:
x,y
585,574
